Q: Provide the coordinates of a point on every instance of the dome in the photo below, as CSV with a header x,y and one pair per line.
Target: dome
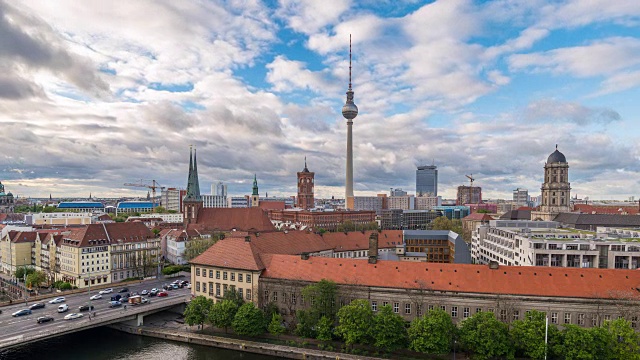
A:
x,y
556,157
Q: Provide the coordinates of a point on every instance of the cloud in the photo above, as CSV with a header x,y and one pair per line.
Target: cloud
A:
x,y
550,110
310,16
15,87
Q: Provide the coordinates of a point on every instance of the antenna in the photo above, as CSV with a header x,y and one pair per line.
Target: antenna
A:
x,y
349,61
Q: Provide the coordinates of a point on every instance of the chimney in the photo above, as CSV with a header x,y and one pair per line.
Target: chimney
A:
x,y
373,248
493,265
247,238
304,256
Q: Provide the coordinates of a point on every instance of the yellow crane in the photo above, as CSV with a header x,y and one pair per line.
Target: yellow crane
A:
x,y
145,184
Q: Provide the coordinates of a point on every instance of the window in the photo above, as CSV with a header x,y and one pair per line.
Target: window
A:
x,y
210,288
211,274
594,320
301,299
233,276
419,310
240,293
284,297
466,312
218,274
634,321
516,314
430,307
443,307
224,289
407,308
248,278
239,277
554,317
567,318
197,285
275,296
491,310
293,298
454,311
374,306
224,275
197,271
385,303
396,307
217,289
581,319
607,318
478,310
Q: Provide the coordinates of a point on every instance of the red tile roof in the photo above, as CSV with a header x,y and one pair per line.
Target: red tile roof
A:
x,y
23,236
606,209
358,240
462,278
231,253
227,219
476,216
290,242
95,234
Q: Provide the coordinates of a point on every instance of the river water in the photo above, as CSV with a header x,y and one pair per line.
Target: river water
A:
x,y
108,344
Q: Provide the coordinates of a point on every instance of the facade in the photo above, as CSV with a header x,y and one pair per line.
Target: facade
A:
x,y
397,192
81,206
171,199
314,220
6,200
238,202
427,181
169,218
130,207
425,202
469,195
220,189
305,188
176,241
403,202
453,212
556,190
15,249
369,203
214,201
59,218
521,197
397,219
434,246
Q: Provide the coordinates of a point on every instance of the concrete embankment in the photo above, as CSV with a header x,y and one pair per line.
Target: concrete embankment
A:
x,y
236,344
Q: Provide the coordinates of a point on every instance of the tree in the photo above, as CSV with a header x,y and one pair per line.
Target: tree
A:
x,y
322,297
578,343
276,327
388,332
156,231
433,333
197,246
486,337
222,314
623,339
307,324
443,223
528,335
324,329
24,270
355,322
249,320
171,269
159,210
234,295
35,279
197,311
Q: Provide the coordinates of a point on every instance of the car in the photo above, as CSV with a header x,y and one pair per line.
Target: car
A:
x,y
36,306
57,300
96,297
44,319
188,286
85,307
63,308
124,290
176,286
116,297
21,312
144,292
134,293
163,293
115,304
169,288
106,291
153,293
184,282
145,300
73,316
124,299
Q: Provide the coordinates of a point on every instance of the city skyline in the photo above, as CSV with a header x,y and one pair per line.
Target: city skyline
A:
x,y
93,97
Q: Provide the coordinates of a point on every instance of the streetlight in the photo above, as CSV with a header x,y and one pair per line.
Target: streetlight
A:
x,y
25,279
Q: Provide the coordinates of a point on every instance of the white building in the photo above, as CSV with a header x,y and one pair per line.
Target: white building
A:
x,y
404,202
219,189
541,243
175,250
214,201
372,203
171,199
59,218
521,197
427,202
166,217
238,202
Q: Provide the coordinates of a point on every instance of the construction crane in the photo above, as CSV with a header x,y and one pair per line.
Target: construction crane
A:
x,y
144,183
471,179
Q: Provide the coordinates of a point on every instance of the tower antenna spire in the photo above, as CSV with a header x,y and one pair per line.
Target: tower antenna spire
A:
x,y
349,61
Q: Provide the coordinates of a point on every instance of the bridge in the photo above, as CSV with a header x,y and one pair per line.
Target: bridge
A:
x,y
19,331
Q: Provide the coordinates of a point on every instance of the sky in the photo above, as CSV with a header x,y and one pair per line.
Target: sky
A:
x,y
93,95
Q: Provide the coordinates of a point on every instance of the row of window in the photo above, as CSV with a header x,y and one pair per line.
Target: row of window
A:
x,y
225,275
202,287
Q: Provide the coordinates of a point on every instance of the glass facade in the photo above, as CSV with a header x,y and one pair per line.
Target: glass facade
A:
x,y
427,180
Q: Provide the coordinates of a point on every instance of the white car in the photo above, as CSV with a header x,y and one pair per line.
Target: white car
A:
x,y
189,286
96,297
106,291
144,300
63,308
73,316
57,300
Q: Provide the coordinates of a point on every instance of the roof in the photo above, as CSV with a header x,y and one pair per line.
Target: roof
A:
x,y
111,233
22,236
461,278
226,219
231,253
476,216
134,204
358,240
606,209
575,219
290,242
516,215
80,204
556,157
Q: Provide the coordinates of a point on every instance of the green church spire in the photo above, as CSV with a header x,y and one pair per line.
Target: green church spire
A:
x,y
255,185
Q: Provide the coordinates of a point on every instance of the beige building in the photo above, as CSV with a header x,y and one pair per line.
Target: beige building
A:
x,y
426,202
556,190
59,218
404,202
15,250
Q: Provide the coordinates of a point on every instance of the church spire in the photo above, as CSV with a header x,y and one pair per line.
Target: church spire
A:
x,y
255,185
193,187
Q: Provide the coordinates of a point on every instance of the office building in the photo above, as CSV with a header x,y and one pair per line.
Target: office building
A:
x,y
427,180
469,195
521,197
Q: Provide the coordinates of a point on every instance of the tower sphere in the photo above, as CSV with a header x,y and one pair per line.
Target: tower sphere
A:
x,y
349,111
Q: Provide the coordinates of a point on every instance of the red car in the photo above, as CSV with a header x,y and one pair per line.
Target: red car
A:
x,y
163,293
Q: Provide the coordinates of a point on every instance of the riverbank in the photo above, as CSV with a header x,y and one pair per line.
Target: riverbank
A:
x,y
280,351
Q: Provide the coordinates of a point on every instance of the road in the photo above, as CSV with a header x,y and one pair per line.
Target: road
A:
x,y
15,327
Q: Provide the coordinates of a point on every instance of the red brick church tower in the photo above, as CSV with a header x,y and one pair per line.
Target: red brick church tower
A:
x,y
305,188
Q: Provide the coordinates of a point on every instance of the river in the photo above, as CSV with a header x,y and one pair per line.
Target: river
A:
x,y
108,344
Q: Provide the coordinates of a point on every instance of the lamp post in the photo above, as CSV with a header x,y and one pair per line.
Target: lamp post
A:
x,y
25,279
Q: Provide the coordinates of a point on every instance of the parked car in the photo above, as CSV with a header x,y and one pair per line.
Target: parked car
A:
x,y
116,297
184,282
106,291
63,308
176,286
163,293
21,312
36,306
96,297
57,300
73,316
124,290
188,286
144,292
115,304
85,307
44,319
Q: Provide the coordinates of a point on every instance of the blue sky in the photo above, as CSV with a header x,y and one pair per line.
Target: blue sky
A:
x,y
93,96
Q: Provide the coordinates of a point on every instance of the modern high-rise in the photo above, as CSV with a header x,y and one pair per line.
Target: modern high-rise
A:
x,y
220,189
349,112
427,180
521,197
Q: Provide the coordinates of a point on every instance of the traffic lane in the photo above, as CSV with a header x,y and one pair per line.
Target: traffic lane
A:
x,y
29,321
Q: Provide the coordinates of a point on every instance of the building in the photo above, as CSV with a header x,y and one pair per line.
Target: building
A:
x,y
425,202
397,192
490,207
616,209
403,202
305,188
81,206
176,241
192,202
453,212
6,201
437,246
316,220
171,199
216,220
214,201
370,203
59,218
469,195
521,197
255,196
427,181
131,207
593,221
165,217
220,189
349,112
556,189
397,219
238,202
15,250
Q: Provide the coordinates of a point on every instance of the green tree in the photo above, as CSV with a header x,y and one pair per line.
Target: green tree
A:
x,y
276,327
433,333
578,343
389,331
35,279
249,320
306,326
528,335
322,297
324,329
623,339
24,270
222,314
234,295
355,322
171,269
197,246
486,337
156,231
443,223
159,210
197,311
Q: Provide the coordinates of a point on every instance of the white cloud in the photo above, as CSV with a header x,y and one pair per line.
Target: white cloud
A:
x,y
310,16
